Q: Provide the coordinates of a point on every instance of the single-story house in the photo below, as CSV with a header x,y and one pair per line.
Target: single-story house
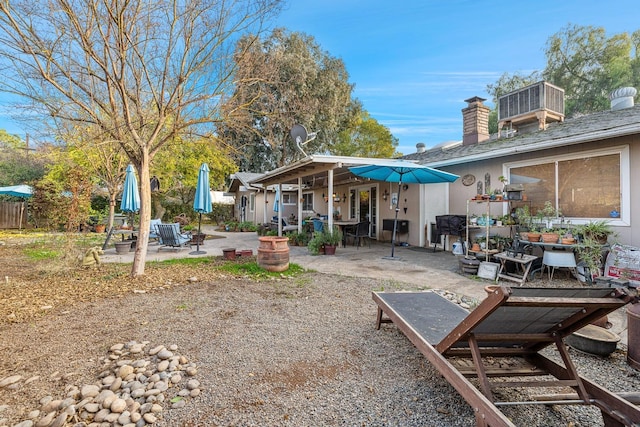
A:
x,y
584,166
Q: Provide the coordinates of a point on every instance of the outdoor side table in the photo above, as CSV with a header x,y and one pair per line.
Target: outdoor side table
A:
x,y
523,262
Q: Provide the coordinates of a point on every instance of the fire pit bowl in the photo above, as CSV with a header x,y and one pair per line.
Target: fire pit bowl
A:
x,y
593,339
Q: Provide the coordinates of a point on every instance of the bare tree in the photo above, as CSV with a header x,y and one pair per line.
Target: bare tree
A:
x,y
141,71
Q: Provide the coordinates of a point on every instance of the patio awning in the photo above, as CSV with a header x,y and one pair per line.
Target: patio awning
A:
x,y
314,169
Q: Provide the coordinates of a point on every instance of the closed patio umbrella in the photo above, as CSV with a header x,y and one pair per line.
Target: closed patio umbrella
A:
x,y
130,193
202,201
276,202
401,171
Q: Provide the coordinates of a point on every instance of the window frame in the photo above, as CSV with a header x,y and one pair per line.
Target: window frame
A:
x,y
289,198
310,195
625,179
252,202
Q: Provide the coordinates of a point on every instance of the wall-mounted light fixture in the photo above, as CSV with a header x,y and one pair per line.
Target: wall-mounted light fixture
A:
x,y
344,196
336,198
385,195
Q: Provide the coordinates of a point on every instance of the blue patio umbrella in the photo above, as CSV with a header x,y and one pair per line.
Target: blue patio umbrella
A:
x,y
401,171
202,201
276,203
130,193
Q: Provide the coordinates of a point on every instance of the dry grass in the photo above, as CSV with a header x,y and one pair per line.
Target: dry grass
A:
x,y
41,273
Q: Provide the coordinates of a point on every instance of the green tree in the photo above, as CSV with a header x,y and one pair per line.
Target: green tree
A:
x,y
11,141
62,197
584,62
282,80
177,167
103,163
18,164
588,65
367,138
143,72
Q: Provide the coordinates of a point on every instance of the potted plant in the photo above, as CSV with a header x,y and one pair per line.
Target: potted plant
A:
x,y
566,237
591,256
598,231
316,243
534,235
331,240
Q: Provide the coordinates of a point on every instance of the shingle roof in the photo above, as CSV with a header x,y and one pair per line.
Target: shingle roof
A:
x,y
242,178
592,127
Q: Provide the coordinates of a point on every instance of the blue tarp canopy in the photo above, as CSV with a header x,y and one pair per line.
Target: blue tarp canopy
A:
x,y
17,190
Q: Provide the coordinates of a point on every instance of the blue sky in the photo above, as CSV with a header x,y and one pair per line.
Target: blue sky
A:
x,y
414,62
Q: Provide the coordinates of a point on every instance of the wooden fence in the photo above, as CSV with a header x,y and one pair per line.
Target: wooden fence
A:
x,y
11,213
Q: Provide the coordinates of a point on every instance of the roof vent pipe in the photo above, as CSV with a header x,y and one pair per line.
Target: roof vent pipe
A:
x,y
420,147
622,98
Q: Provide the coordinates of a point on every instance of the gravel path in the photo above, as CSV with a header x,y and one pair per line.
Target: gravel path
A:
x,y
294,352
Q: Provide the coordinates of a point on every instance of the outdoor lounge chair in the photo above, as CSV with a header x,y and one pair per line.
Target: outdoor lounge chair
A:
x,y
153,230
171,238
511,325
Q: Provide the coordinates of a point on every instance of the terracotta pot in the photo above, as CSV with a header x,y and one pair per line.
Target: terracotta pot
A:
x,y
329,249
566,241
273,253
475,247
100,228
550,237
534,237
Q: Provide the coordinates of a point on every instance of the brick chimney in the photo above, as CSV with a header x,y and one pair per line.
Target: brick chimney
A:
x,y
475,121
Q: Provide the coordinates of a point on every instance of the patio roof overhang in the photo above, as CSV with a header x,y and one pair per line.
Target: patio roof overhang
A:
x,y
317,166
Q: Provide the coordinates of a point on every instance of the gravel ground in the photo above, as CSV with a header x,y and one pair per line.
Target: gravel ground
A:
x,y
292,352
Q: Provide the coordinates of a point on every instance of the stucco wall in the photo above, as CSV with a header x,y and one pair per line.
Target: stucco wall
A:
x,y
626,234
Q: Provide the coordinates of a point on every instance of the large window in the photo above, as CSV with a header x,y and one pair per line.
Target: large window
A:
x,y
252,202
307,201
587,185
289,198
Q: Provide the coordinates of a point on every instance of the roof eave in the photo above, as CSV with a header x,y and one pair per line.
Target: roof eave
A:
x,y
559,142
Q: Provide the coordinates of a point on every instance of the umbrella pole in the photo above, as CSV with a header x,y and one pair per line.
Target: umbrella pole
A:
x,y
395,220
198,251
198,238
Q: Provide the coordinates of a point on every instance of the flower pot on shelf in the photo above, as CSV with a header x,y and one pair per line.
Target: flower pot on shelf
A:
x,y
568,240
534,237
550,237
